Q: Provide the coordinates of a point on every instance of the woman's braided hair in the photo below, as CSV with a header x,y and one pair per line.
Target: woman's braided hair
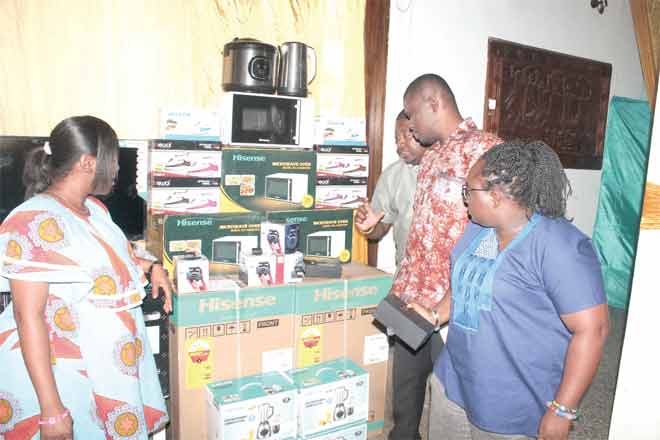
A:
x,y
531,174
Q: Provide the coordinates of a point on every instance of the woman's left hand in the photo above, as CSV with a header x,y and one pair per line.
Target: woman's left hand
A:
x,y
553,427
160,280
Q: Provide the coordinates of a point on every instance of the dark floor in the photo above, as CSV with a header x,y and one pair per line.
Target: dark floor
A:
x,y
596,407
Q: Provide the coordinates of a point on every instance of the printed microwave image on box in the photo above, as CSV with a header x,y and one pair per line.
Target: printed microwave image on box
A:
x,y
259,179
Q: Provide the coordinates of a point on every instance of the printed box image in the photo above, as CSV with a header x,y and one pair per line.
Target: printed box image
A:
x,y
271,269
261,270
335,319
356,431
179,158
190,123
223,335
325,243
286,186
184,195
254,407
331,394
338,130
267,180
280,237
327,232
219,237
191,273
340,196
342,165
228,250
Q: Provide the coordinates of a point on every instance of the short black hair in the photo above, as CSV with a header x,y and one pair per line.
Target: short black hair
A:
x,y
402,115
432,81
531,174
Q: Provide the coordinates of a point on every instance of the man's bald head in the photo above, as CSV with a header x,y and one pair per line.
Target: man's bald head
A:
x,y
432,85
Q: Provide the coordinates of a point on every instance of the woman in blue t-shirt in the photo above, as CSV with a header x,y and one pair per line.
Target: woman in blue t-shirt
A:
x,y
527,315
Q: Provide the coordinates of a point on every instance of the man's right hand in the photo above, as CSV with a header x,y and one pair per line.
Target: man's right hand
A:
x,y
366,219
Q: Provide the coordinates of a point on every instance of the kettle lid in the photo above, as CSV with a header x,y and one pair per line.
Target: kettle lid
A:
x,y
244,43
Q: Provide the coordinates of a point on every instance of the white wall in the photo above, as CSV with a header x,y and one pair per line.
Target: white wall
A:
x,y
635,415
450,38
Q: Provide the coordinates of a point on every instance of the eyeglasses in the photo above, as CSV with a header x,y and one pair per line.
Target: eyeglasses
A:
x,y
465,190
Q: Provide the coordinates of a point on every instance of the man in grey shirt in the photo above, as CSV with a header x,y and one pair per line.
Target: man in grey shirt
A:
x,y
392,206
392,202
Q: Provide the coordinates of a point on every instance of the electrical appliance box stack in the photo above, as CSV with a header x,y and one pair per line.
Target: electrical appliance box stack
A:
x,y
228,333
246,211
342,164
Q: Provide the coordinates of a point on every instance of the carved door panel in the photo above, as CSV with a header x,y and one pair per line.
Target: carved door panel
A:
x,y
560,99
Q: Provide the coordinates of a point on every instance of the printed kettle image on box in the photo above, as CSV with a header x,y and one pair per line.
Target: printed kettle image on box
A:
x,y
326,233
330,395
253,407
221,238
267,180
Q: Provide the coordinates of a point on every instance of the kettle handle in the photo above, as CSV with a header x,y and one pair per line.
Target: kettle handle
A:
x,y
313,53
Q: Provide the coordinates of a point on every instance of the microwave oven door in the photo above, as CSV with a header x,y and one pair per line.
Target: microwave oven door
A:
x,y
226,251
279,188
319,245
264,120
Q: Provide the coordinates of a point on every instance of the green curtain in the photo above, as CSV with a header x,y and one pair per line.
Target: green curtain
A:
x,y
620,199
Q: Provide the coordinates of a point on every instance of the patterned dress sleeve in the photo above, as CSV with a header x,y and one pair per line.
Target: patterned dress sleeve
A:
x,y
36,245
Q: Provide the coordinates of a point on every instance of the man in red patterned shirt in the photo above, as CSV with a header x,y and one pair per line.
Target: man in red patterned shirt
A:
x,y
439,216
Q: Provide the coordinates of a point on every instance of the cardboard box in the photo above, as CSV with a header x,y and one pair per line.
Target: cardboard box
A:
x,y
184,195
340,130
261,270
331,395
347,161
342,173
323,232
253,407
223,335
191,273
271,269
335,319
267,180
280,237
185,158
340,196
190,123
357,431
219,237
239,332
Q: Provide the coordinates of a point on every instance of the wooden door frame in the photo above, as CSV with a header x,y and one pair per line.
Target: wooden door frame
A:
x,y
376,30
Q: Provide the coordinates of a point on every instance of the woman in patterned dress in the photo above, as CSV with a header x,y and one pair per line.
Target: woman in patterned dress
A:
x,y
73,345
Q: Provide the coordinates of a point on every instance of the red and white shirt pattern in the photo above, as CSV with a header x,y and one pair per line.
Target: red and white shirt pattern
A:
x,y
439,215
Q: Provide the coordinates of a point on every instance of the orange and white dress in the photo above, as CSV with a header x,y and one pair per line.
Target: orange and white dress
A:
x,y
100,354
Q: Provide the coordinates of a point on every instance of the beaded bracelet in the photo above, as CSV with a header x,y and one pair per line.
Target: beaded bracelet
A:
x,y
562,411
54,419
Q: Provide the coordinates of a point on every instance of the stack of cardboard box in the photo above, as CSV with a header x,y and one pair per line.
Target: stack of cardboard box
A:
x,y
227,334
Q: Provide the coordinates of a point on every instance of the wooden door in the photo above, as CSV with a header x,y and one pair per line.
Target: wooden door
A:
x,y
534,93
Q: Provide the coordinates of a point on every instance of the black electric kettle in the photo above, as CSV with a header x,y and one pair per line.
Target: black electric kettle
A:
x,y
296,59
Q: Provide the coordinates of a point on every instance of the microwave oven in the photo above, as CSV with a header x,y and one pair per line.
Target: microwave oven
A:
x,y
325,243
228,249
288,187
255,119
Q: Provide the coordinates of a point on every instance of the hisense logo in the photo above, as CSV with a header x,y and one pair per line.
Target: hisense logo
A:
x,y
193,222
330,294
244,158
223,305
